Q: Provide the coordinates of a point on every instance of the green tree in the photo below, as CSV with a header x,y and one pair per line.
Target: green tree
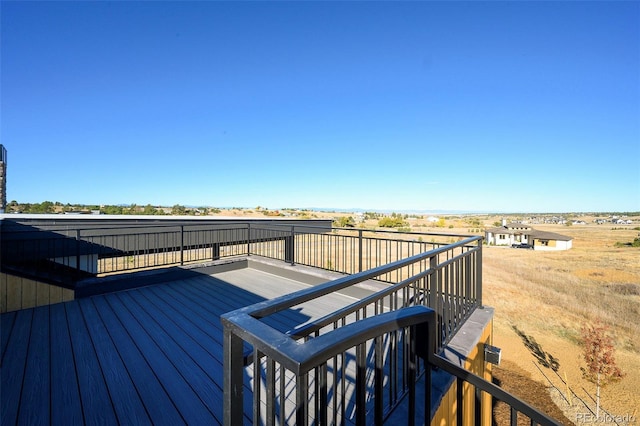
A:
x,y
149,210
111,210
345,221
178,210
392,222
44,207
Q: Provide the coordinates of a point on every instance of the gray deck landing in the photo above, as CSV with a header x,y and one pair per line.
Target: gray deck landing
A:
x,y
151,355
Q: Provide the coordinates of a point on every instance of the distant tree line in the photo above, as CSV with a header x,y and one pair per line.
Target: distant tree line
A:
x,y
50,207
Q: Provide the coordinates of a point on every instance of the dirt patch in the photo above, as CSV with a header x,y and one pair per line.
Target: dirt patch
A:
x,y
531,350
519,383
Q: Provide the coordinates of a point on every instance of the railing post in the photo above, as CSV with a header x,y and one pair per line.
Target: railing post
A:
x,y
478,262
302,399
434,290
289,247
361,384
248,239
359,250
233,377
77,250
181,245
413,350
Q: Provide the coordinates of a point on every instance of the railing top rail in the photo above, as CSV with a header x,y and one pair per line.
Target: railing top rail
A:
x,y
54,221
306,329
309,328
254,223
300,357
272,306
62,227
315,351
391,231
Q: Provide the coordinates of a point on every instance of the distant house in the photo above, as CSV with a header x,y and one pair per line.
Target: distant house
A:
x,y
518,233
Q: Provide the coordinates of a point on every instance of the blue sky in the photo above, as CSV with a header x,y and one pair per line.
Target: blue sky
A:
x,y
473,106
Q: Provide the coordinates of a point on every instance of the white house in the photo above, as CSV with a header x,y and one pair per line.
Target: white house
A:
x,y
518,233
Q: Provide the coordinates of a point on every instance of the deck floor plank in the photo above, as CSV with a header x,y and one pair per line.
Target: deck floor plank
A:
x,y
5,332
228,300
96,404
158,351
196,361
271,286
34,404
191,308
66,408
125,398
151,355
157,402
208,346
13,367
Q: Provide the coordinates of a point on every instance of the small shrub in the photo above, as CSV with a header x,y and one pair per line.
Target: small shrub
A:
x,y
599,355
626,289
392,222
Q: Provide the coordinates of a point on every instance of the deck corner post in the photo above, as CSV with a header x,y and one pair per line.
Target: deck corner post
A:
x,y
233,377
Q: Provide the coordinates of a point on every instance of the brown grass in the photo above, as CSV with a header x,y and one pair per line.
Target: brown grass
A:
x,y
551,295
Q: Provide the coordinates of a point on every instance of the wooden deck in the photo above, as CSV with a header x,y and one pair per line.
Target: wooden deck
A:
x,y
151,355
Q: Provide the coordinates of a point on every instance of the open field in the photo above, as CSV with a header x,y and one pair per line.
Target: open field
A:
x,y
544,298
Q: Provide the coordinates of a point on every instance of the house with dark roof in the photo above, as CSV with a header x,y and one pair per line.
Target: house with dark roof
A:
x,y
510,234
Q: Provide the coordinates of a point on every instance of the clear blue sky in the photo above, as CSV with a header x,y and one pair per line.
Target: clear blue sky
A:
x,y
475,106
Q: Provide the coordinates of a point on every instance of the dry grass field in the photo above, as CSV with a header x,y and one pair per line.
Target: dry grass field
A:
x,y
542,300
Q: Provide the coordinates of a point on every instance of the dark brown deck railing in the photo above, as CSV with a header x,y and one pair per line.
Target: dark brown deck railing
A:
x,y
355,365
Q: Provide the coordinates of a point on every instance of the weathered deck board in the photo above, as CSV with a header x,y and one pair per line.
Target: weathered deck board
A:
x,y
65,400
149,340
37,379
156,400
5,331
13,366
96,404
126,401
151,355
